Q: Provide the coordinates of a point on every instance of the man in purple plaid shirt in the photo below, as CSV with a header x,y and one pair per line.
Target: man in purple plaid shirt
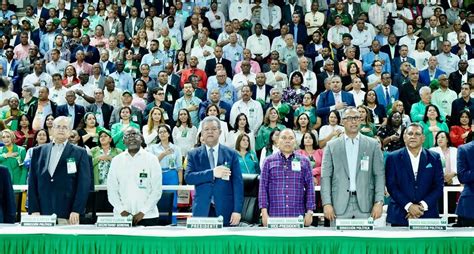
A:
x,y
286,183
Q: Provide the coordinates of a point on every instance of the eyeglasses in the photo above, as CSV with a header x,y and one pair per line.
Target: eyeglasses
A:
x,y
132,134
210,129
352,118
61,127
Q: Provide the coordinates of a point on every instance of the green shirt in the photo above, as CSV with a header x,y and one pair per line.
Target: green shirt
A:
x,y
263,135
117,134
15,164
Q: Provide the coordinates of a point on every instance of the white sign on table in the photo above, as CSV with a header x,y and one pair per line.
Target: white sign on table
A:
x,y
428,224
297,222
202,222
38,220
114,222
355,224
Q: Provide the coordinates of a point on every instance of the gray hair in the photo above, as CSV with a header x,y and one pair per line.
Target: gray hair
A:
x,y
416,125
62,118
425,89
275,89
211,119
29,88
348,110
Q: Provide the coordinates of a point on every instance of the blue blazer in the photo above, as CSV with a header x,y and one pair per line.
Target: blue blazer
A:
x,y
397,61
369,58
403,187
380,92
79,111
465,169
302,34
425,76
89,59
7,198
228,195
110,67
326,100
61,193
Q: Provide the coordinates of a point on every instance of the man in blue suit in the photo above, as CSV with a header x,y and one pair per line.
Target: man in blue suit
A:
x,y
333,99
430,73
298,30
60,176
71,109
414,179
465,209
373,55
214,170
386,92
7,198
397,61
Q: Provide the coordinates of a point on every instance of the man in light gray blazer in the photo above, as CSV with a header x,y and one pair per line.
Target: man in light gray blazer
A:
x,y
353,175
132,24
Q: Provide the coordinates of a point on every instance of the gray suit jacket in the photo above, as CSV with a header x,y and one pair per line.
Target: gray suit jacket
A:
x,y
293,64
116,28
128,27
370,185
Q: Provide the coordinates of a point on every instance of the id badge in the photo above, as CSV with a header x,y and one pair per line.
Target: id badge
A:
x,y
134,118
184,133
296,166
71,166
222,117
170,97
364,163
165,116
142,180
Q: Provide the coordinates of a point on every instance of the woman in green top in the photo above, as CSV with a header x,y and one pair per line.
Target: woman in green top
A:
x,y
270,123
308,108
11,116
432,124
119,128
248,158
131,65
102,156
367,126
12,157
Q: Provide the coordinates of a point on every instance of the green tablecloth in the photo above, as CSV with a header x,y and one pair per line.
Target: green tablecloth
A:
x,y
116,244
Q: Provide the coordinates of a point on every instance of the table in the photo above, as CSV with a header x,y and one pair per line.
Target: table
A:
x,y
163,240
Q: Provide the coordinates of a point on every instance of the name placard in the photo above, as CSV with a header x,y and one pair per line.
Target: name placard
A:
x,y
297,222
114,222
355,224
38,220
428,224
203,222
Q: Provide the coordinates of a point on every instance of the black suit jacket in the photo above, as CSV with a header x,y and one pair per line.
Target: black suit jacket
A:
x,y
386,49
106,112
341,55
63,192
168,108
79,112
89,59
210,68
44,12
267,92
319,64
455,81
302,35
34,107
286,13
7,198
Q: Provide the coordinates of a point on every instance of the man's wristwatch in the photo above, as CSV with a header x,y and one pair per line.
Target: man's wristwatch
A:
x,y
310,212
379,203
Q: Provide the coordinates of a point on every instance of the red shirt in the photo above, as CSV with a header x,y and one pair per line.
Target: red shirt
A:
x,y
198,72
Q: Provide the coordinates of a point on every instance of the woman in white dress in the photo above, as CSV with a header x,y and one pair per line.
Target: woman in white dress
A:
x,y
184,133
420,55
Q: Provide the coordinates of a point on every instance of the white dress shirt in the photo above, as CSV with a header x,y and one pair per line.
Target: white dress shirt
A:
x,y
124,190
352,153
415,163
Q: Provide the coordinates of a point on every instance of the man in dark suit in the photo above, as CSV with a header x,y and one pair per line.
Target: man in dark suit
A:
x,y
171,93
456,78
409,91
391,48
333,99
60,176
402,57
71,109
214,170
353,9
7,198
48,107
465,102
465,167
327,73
92,53
101,110
318,67
40,10
414,179
286,13
210,68
173,78
261,88
159,101
298,30
346,43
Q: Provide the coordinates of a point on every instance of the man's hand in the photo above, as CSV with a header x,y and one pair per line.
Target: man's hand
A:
x,y
340,105
329,212
36,214
74,218
137,218
377,210
124,214
221,171
235,219
415,211
308,219
265,217
448,177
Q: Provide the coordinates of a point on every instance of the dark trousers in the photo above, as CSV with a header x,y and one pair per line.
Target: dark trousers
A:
x,y
148,222
464,222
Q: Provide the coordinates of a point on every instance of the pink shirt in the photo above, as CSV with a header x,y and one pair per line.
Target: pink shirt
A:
x,y
21,52
254,67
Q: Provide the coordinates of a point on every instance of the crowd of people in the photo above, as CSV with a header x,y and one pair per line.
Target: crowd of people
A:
x,y
259,68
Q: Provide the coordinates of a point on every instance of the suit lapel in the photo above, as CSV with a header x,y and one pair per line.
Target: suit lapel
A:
x,y
344,157
64,155
205,159
405,160
362,147
422,164
47,150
